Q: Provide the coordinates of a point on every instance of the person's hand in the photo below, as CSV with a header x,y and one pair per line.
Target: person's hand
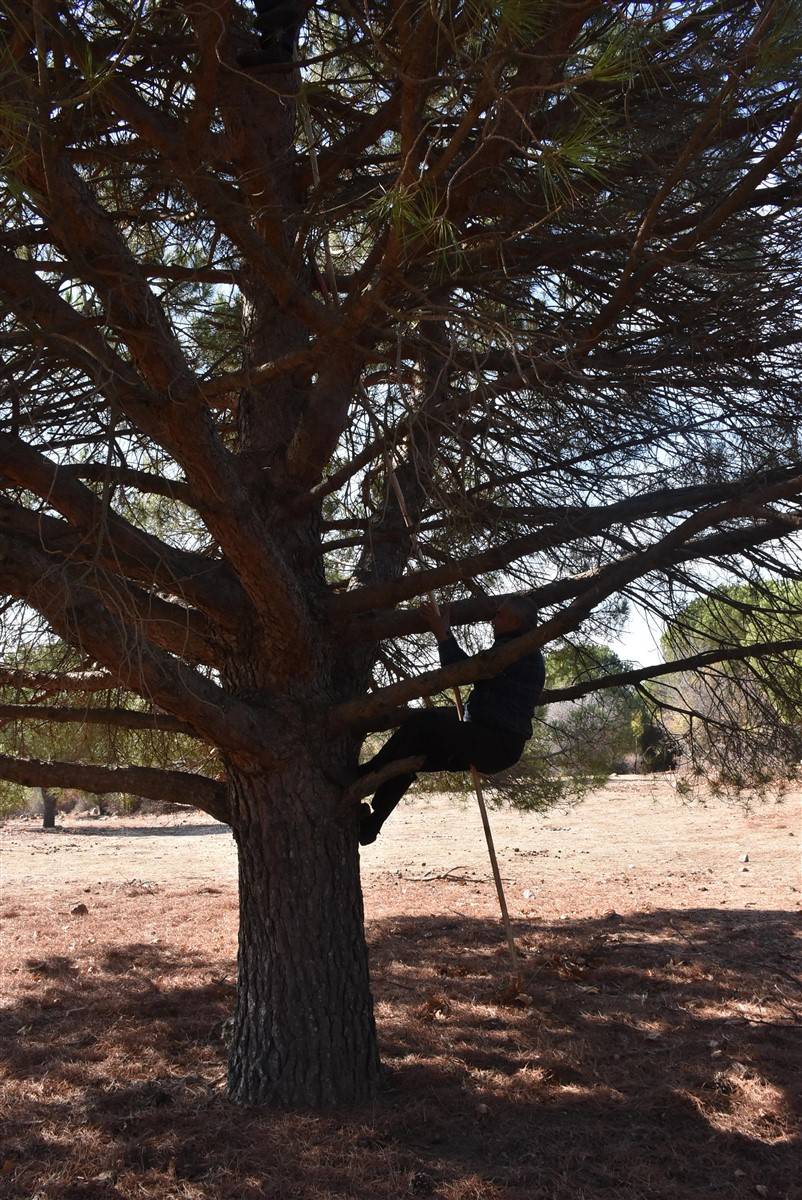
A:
x,y
436,619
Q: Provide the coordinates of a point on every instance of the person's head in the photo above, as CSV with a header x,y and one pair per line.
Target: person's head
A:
x,y
515,614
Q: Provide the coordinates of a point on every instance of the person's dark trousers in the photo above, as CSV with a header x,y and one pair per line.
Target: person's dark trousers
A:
x,y
447,744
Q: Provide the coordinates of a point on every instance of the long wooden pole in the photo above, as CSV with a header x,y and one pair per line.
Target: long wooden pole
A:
x,y
477,783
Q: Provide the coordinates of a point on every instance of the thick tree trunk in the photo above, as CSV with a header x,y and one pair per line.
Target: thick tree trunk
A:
x,y
303,1033
48,808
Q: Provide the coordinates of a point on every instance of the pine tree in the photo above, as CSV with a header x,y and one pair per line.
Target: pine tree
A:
x,y
539,258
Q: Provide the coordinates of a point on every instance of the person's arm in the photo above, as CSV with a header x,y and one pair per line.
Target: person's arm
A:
x,y
447,645
450,650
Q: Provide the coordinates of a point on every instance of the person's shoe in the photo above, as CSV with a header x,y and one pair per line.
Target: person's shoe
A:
x,y
369,825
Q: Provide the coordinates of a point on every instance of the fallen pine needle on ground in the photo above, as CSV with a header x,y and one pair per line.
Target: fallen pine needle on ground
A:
x,y
648,1048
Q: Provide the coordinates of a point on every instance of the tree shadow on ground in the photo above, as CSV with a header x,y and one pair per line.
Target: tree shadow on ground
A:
x,y
651,1057
172,831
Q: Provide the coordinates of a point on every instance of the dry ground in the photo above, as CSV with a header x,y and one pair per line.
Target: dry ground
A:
x,y
650,1049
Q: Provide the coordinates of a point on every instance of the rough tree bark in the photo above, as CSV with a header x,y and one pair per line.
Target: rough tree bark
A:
x,y
303,1029
48,808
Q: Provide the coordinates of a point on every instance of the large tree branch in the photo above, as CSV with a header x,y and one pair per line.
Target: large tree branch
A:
x,y
217,387
166,271
589,590
373,627
321,425
146,482
564,525
621,679
341,476
618,363
49,683
174,626
174,787
195,577
183,425
81,605
692,662
113,718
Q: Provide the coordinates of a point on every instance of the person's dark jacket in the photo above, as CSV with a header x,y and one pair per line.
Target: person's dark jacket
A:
x,y
507,701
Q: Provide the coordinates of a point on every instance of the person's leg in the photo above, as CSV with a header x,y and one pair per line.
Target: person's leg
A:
x,y
384,801
448,744
396,747
435,733
427,731
494,750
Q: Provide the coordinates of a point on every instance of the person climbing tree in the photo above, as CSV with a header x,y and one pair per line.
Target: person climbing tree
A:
x,y
497,724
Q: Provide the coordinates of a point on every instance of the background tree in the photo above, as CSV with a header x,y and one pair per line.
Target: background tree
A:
x,y
41,733
600,729
540,256
749,691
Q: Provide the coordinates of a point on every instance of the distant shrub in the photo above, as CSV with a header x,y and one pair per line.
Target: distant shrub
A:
x,y
13,800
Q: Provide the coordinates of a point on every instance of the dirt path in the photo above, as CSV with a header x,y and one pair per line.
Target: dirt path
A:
x,y
632,845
